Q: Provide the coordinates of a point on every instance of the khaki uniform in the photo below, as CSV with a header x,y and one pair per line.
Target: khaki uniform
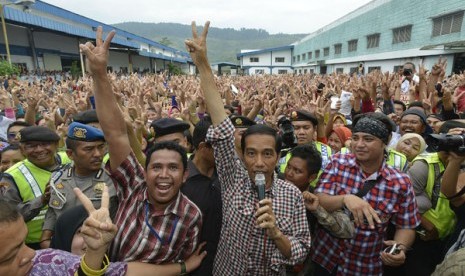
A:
x,y
62,195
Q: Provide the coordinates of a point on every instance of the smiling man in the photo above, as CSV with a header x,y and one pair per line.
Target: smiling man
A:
x,y
27,180
156,222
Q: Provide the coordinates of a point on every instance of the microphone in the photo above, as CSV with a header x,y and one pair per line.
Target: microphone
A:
x,y
260,182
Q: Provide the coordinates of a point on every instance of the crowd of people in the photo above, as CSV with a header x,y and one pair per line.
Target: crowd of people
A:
x,y
154,174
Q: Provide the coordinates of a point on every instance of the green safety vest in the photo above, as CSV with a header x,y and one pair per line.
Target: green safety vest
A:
x,y
325,152
440,213
395,159
31,181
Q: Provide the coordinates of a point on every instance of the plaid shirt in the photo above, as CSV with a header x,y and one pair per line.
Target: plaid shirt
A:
x,y
134,240
241,248
392,198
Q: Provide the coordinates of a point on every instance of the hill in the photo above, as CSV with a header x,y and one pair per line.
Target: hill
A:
x,y
223,44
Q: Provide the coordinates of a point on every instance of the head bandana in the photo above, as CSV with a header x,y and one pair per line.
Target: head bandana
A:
x,y
373,127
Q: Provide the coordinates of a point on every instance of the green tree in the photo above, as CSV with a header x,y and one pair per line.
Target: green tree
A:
x,y
6,69
165,41
174,70
75,70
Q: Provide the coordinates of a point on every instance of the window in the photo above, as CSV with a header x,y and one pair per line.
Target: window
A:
x,y
298,58
326,51
304,56
317,54
352,45
337,49
447,24
259,71
339,70
254,59
309,55
312,71
397,68
300,71
293,59
281,72
401,34
353,70
373,41
278,59
305,71
371,69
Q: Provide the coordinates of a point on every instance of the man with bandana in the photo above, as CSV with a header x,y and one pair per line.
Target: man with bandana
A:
x,y
375,195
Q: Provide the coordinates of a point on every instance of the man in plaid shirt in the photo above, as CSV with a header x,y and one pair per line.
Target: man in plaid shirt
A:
x,y
257,238
156,222
390,200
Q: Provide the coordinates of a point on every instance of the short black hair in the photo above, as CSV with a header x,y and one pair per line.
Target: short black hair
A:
x,y
17,123
415,103
264,130
168,145
72,144
200,131
404,107
311,155
8,212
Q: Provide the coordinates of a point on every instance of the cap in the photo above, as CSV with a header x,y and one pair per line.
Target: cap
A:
x,y
240,121
448,125
37,133
302,115
82,132
165,126
86,117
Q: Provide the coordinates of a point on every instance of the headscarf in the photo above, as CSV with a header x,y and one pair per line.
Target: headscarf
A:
x,y
413,135
66,226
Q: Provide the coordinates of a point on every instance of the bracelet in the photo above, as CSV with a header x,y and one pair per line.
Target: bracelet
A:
x,y
90,272
183,268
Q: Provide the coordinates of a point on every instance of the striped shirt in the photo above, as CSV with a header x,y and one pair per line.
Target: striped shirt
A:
x,y
244,249
135,240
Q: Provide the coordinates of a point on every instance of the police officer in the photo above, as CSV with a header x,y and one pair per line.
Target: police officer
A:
x,y
27,180
170,129
241,123
86,147
305,125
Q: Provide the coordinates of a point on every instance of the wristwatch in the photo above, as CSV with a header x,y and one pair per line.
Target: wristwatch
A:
x,y
183,269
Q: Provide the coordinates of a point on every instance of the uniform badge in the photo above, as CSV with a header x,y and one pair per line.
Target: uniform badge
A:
x,y
4,185
98,188
59,186
238,121
55,203
294,115
80,132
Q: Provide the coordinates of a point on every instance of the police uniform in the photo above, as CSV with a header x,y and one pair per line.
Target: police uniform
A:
x,y
26,182
240,121
323,149
64,181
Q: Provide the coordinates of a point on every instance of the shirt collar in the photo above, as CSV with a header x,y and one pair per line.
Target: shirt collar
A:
x,y
173,208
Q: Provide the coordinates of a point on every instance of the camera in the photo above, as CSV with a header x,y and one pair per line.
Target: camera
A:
x,y
407,72
447,142
320,87
286,130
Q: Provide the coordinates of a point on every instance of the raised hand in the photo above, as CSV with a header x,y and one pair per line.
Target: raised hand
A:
x,y
98,230
97,56
197,46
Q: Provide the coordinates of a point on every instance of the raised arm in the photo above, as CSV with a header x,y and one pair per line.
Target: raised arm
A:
x,y
197,47
108,112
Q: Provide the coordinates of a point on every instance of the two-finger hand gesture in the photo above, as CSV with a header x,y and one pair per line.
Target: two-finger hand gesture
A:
x,y
197,45
98,230
97,55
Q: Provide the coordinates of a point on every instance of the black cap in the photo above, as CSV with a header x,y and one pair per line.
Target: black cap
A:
x,y
448,125
240,121
421,115
86,117
37,133
302,115
165,126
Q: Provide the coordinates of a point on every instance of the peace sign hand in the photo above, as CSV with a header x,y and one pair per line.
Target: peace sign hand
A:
x,y
98,230
197,46
97,56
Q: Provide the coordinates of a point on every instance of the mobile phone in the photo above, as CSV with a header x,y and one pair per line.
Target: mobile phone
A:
x,y
334,100
393,249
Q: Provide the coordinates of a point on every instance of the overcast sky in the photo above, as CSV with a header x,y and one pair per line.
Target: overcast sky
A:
x,y
275,16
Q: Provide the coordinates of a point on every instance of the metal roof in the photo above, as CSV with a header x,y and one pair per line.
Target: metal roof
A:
x,y
275,49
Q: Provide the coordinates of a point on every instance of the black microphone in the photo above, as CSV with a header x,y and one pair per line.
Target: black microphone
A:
x,y
260,182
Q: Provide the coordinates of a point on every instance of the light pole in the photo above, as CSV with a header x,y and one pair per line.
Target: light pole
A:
x,y
26,4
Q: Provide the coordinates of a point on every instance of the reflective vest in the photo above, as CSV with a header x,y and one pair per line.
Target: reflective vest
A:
x,y
395,159
325,152
440,213
31,181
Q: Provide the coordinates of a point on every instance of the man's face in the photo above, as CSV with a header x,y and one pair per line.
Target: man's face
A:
x,y
15,256
411,124
152,115
260,155
9,158
87,156
177,137
432,122
165,175
41,154
12,132
297,173
303,130
238,137
398,109
408,68
367,148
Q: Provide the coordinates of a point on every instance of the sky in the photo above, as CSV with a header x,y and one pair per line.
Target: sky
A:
x,y
274,16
